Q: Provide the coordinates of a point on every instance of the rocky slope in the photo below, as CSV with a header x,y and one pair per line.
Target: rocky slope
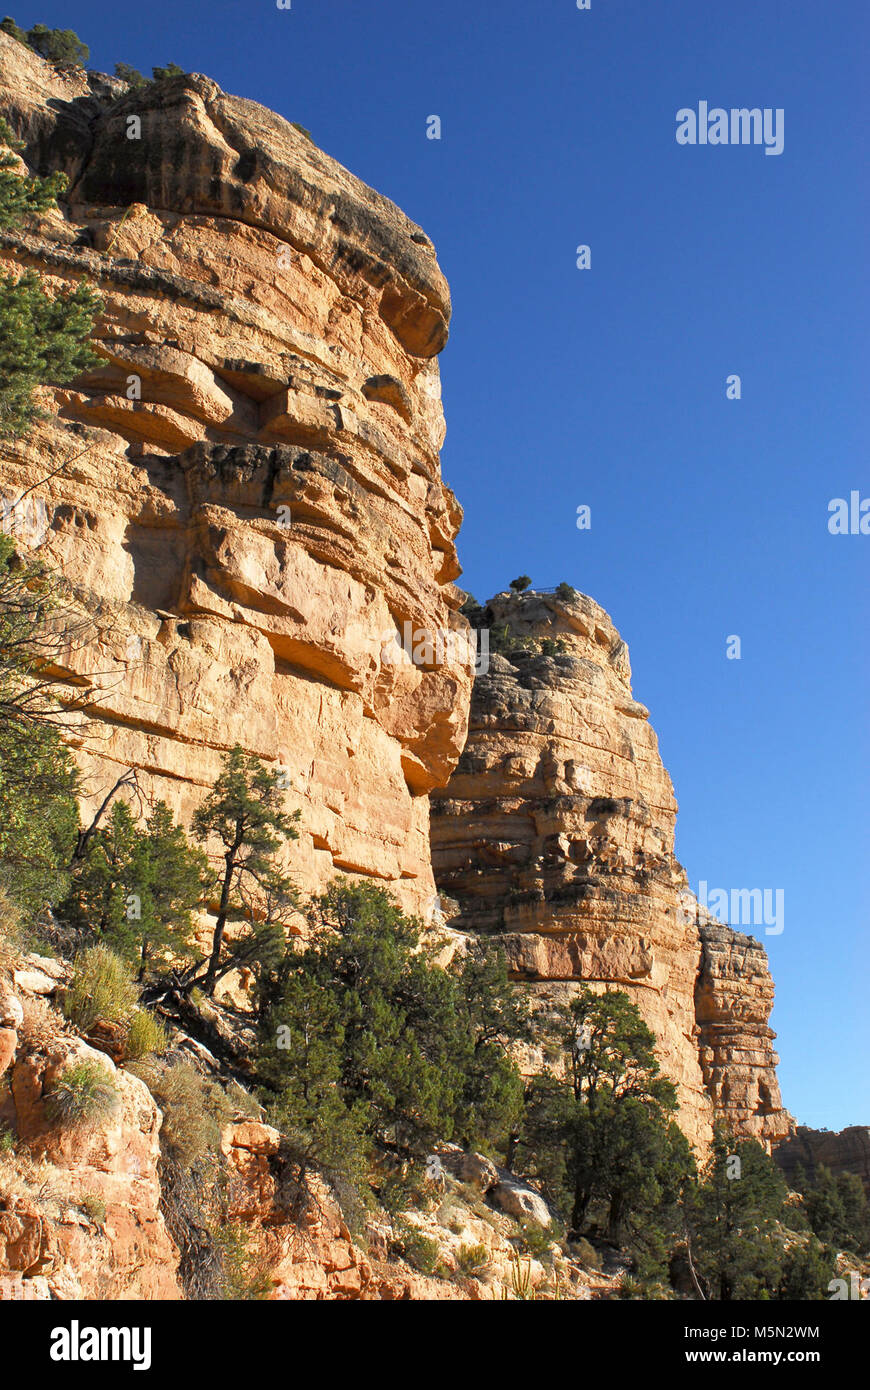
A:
x,y
556,832
246,492
85,1208
80,1209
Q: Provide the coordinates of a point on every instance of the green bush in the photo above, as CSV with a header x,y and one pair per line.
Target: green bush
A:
x,y
93,1207
102,990
807,1270
9,27
565,592
38,811
367,1028
132,76
146,1036
244,1275
83,1096
134,886
837,1209
538,1240
43,338
195,1111
472,1259
415,1248
520,584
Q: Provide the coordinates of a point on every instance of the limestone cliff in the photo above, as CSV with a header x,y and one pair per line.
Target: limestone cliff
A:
x,y
246,494
556,832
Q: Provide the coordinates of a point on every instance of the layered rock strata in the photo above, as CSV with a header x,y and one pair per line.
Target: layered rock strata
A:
x,y
556,833
245,492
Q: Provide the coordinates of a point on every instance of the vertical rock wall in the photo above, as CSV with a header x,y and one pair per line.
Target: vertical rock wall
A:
x,y
245,492
556,832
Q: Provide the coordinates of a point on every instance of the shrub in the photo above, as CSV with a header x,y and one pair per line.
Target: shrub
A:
x,y
520,584
135,886
132,76
171,70
537,1240
42,340
84,1096
93,1207
145,1036
807,1271
9,27
194,1111
417,1249
586,1254
7,1140
10,930
102,990
472,1259
244,1274
565,592
367,1028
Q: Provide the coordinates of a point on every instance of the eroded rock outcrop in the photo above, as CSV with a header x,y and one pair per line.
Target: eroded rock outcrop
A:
x,y
80,1209
246,493
556,831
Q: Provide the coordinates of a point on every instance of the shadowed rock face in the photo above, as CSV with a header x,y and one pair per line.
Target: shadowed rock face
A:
x,y
252,504
843,1151
556,832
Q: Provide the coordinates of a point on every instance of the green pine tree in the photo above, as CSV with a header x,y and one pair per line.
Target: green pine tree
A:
x,y
734,1219
59,46
38,810
244,813
363,1014
43,339
136,887
597,1127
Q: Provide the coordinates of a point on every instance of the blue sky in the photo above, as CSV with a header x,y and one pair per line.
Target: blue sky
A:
x,y
606,387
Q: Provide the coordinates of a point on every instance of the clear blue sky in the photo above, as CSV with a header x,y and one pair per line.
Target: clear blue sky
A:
x,y
607,387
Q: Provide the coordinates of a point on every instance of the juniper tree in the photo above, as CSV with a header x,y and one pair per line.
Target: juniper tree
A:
x,y
597,1127
38,812
837,1209
171,70
43,338
132,76
367,1041
733,1221
244,813
136,888
62,47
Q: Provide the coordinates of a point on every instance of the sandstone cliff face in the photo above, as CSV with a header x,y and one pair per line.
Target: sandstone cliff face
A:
x,y
556,832
251,505
246,497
